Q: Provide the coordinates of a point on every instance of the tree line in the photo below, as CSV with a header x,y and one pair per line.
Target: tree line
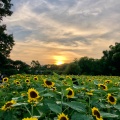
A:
x,y
108,64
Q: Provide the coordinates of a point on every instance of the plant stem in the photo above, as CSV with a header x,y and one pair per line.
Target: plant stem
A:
x,y
28,110
32,109
62,95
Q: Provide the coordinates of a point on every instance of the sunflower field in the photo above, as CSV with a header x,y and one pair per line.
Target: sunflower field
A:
x,y
60,97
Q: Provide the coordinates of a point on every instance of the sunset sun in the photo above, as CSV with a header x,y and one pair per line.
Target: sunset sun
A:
x,y
59,60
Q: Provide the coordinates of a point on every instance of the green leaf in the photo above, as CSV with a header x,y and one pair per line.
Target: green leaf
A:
x,y
108,115
19,104
54,107
80,107
78,116
96,82
17,98
117,107
49,94
55,74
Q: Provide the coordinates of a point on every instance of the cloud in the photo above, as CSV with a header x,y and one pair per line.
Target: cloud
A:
x,y
71,28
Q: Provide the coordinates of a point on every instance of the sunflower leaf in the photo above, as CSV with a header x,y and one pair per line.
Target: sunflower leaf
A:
x,y
108,115
117,107
76,106
54,107
78,116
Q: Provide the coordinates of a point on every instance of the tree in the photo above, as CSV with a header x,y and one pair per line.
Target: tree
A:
x,y
21,67
35,66
86,65
5,7
111,59
73,68
6,41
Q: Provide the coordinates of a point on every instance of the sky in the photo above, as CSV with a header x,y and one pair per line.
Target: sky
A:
x,y
58,31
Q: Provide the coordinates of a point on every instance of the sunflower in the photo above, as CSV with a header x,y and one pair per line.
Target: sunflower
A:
x,y
48,84
62,116
33,95
89,93
8,105
32,118
2,86
70,93
35,78
96,113
54,88
17,82
112,100
27,81
64,82
108,81
104,87
5,79
23,94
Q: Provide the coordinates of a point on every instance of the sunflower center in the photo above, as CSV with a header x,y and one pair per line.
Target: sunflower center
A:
x,y
63,118
33,94
97,113
107,81
35,78
8,105
70,92
48,82
5,79
18,83
111,98
27,80
102,86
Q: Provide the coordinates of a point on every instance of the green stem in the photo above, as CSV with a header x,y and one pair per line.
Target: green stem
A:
x,y
28,110
62,95
32,110
89,106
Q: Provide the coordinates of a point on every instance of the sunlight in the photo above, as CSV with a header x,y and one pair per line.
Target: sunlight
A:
x,y
59,60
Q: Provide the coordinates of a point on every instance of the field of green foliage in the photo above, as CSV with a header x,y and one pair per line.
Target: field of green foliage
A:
x,y
60,97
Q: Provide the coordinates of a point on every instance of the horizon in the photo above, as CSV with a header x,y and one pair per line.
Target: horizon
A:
x,y
58,31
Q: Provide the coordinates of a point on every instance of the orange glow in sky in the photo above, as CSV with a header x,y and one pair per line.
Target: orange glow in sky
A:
x,y
59,60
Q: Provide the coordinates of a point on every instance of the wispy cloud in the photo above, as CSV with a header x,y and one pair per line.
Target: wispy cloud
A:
x,y
71,28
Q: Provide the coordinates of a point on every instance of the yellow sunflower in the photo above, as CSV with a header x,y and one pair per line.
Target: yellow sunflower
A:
x,y
96,113
5,79
8,105
23,94
108,81
54,88
62,116
32,118
48,84
2,86
70,93
112,100
104,87
36,78
17,82
33,95
89,93
27,81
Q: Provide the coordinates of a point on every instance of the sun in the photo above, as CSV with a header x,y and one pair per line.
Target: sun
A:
x,y
59,62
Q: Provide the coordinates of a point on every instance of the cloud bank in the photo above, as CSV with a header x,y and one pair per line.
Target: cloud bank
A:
x,y
43,29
